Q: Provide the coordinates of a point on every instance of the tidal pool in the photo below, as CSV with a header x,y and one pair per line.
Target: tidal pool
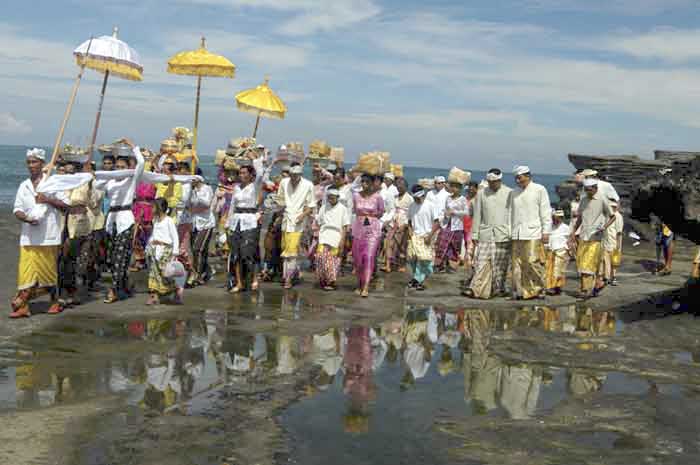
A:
x,y
261,385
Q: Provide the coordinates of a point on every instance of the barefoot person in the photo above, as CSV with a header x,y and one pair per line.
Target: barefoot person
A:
x,y
366,232
530,226
333,220
557,251
449,247
163,247
594,217
39,241
397,237
296,196
491,238
424,225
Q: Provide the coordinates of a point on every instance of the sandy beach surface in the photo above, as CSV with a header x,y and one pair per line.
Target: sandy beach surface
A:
x,y
618,383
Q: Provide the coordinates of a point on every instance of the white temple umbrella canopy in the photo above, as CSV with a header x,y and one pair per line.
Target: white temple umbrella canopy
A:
x,y
110,56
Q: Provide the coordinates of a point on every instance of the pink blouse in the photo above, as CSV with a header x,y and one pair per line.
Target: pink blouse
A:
x,y
370,208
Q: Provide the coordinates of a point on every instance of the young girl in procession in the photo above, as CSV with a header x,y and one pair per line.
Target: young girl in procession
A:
x,y
472,189
449,248
366,232
424,223
557,252
163,247
333,220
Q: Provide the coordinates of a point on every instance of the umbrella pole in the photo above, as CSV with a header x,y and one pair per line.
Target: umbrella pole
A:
x,y
97,118
66,116
257,123
196,125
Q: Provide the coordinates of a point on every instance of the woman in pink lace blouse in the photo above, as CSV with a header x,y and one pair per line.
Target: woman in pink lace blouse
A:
x,y
366,233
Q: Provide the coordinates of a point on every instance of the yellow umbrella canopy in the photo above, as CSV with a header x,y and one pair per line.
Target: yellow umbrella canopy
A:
x,y
200,63
261,101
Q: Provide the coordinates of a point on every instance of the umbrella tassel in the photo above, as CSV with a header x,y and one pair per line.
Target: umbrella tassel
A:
x,y
97,118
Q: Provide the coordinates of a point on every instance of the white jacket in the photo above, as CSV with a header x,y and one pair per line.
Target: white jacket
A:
x,y
531,215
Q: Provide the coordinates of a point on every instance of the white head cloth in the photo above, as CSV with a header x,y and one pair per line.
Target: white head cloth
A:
x,y
283,148
519,170
39,154
439,179
297,169
589,172
588,182
558,213
419,194
335,192
494,176
389,176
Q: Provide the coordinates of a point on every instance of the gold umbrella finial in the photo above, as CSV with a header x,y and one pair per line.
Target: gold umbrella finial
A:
x,y
204,43
115,31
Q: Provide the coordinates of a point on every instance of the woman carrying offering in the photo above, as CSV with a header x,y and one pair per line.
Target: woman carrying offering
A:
x,y
366,232
333,220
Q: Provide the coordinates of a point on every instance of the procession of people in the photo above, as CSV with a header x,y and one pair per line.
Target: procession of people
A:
x,y
157,212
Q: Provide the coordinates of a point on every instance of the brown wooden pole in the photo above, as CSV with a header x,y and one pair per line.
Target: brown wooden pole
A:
x,y
257,124
196,125
97,118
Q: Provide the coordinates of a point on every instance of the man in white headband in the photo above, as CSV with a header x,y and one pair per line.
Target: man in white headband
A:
x,y
531,223
604,187
491,238
438,195
333,221
557,254
296,196
40,239
594,216
612,245
389,184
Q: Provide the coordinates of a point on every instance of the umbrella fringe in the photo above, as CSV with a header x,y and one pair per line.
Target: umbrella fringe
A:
x,y
256,111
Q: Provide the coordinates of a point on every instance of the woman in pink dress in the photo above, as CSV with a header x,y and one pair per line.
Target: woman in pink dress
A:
x,y
366,233
143,215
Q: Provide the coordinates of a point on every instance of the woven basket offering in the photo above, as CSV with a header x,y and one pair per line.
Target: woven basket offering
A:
x,y
459,176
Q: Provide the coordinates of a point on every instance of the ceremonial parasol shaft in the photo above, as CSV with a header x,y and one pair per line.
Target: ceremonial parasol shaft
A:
x,y
66,115
97,118
196,125
257,123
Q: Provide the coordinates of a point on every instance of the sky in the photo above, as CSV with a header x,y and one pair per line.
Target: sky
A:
x,y
475,84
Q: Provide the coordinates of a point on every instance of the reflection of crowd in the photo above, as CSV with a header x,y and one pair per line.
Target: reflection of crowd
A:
x,y
187,358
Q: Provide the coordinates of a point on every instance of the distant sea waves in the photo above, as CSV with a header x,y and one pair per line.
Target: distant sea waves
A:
x,y
13,171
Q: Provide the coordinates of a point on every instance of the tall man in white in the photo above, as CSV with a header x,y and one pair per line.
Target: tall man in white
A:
x,y
531,224
491,238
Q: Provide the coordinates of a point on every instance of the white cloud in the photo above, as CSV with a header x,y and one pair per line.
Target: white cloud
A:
x,y
622,7
666,44
308,16
10,125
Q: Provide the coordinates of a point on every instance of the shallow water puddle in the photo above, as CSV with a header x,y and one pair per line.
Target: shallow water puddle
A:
x,y
365,394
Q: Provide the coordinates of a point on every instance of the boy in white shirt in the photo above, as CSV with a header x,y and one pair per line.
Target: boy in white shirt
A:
x,y
333,220
557,250
424,223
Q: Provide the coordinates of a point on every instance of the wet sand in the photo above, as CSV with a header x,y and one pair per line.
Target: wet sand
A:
x,y
617,377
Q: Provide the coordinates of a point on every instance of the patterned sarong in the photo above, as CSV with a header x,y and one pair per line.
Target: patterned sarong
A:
x,y
290,253
200,255
528,268
557,261
420,256
157,283
120,257
327,265
490,270
449,246
397,240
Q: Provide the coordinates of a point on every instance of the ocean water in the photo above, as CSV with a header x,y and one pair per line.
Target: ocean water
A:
x,y
13,171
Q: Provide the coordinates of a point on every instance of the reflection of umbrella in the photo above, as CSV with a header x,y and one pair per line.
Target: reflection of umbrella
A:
x,y
200,63
261,101
108,55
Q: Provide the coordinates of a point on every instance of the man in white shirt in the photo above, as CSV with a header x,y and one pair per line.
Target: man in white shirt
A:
x,y
40,239
595,216
424,224
333,220
491,238
604,187
438,195
531,223
390,184
557,254
612,245
296,195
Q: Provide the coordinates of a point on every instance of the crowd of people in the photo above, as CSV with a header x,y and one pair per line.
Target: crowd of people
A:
x,y
267,221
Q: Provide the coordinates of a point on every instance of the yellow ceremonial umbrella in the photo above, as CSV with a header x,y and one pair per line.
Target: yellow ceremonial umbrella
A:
x,y
261,101
109,56
200,63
